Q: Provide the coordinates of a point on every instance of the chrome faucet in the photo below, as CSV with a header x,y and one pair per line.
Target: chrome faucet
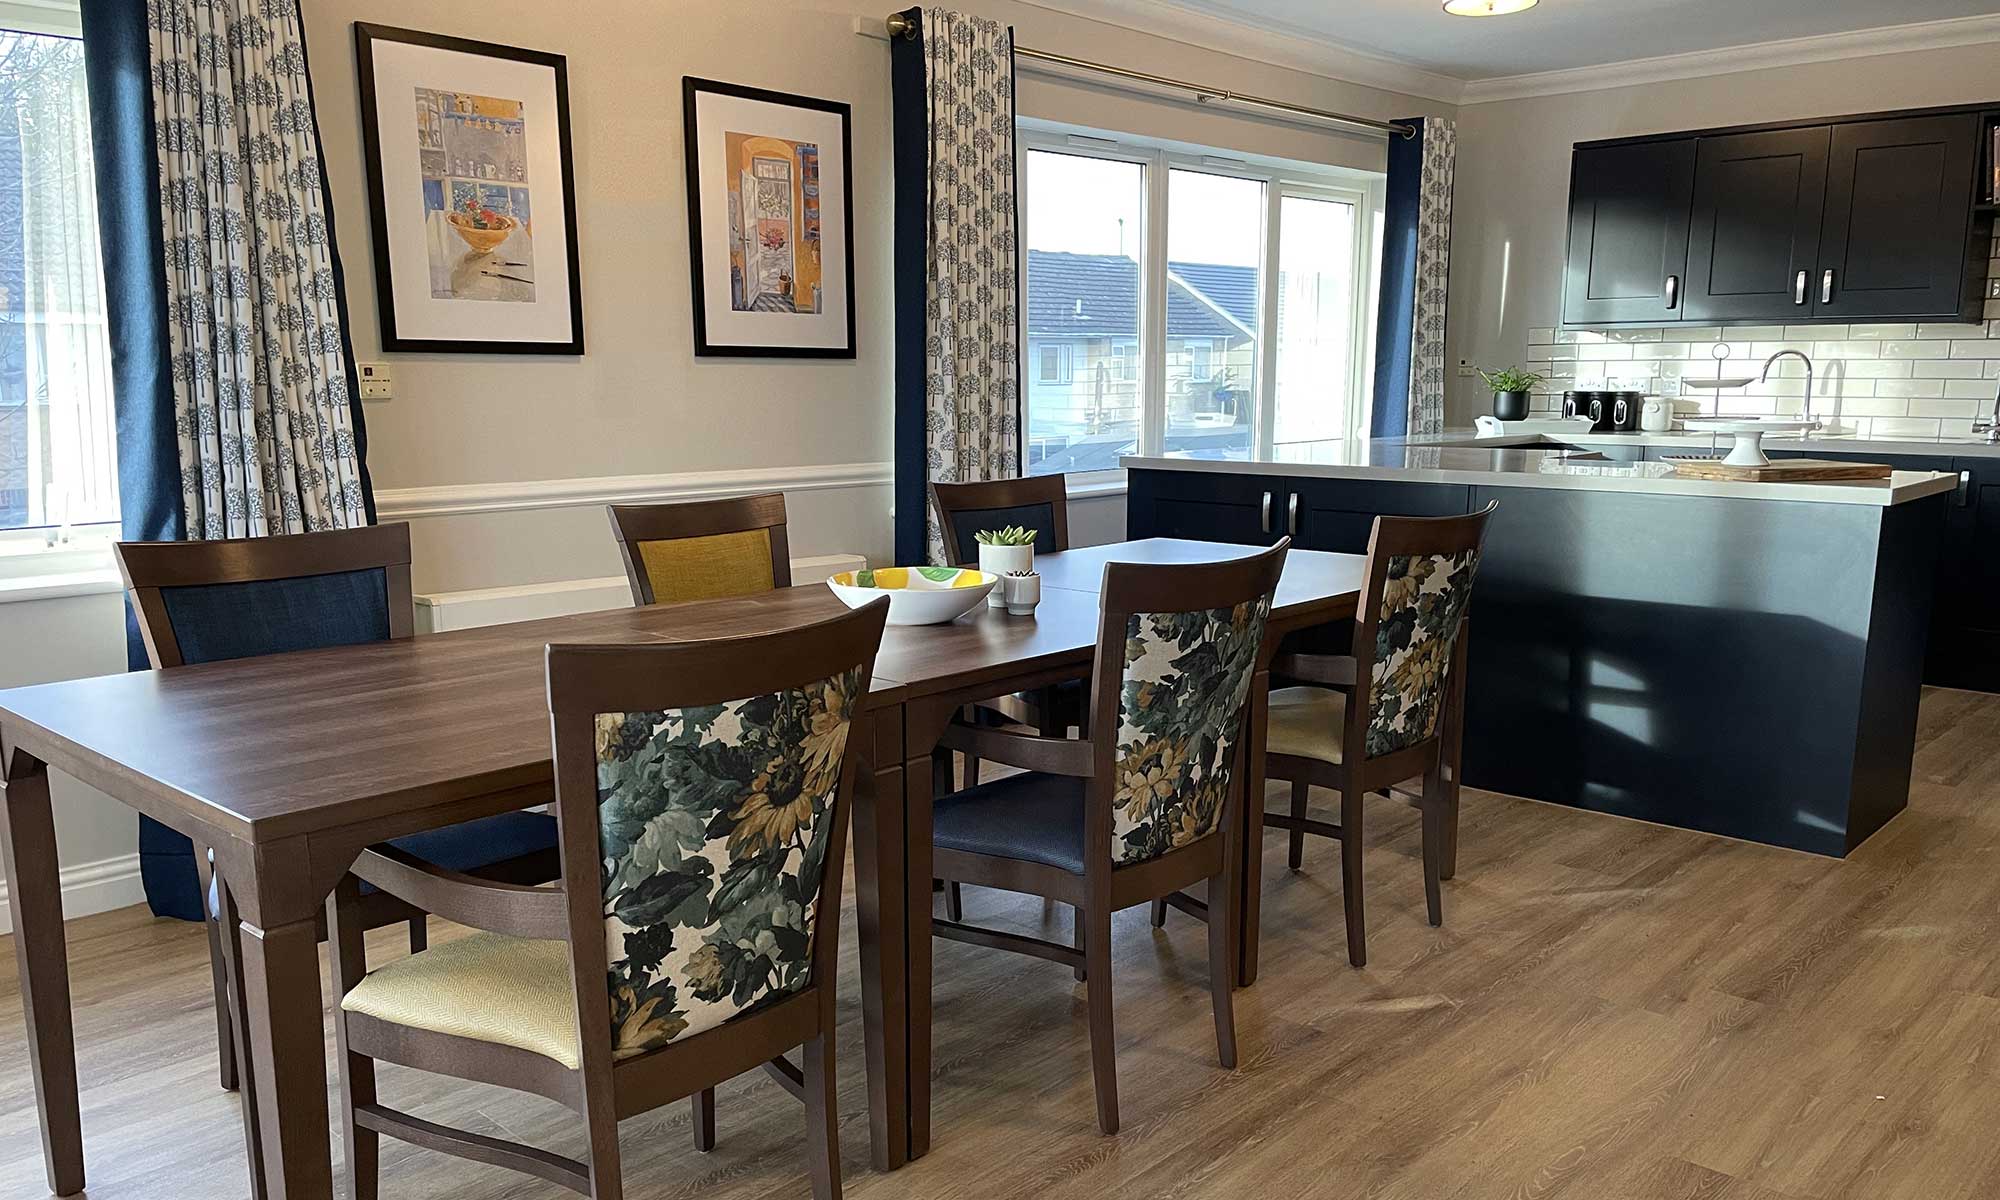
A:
x,y
1800,355
1991,425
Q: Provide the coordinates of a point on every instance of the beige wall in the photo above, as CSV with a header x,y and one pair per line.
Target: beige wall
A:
x,y
1511,201
639,403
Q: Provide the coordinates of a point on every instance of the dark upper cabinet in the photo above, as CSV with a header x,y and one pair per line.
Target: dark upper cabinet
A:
x,y
1898,218
1754,238
1628,231
1863,219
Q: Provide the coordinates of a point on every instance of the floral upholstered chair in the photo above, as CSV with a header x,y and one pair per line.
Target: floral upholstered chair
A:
x,y
1149,805
703,790
1390,711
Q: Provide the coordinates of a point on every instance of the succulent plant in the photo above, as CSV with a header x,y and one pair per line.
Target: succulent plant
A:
x,y
1012,535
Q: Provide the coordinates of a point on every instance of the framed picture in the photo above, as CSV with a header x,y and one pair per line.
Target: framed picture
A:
x,y
472,194
770,186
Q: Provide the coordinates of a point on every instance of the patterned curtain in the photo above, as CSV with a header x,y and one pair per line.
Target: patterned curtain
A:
x,y
1410,364
258,345
972,403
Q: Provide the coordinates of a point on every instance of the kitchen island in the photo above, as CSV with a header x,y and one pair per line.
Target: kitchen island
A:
x,y
1740,658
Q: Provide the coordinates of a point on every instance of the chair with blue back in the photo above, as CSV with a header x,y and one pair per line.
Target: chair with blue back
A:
x,y
203,602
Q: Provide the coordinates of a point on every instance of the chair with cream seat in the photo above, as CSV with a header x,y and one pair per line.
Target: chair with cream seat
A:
x,y
703,550
702,789
1388,712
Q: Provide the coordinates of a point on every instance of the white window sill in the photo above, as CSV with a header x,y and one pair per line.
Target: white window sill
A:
x,y
1098,486
82,565
60,586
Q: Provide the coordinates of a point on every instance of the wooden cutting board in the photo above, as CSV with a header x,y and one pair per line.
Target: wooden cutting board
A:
x,y
1787,470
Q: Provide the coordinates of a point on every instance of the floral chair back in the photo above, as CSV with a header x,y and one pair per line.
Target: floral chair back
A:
x,y
1184,680
1419,592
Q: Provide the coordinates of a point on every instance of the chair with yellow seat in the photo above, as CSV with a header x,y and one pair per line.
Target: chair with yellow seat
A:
x,y
1388,712
702,794
703,550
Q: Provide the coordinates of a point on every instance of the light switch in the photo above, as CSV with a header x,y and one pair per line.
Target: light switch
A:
x,y
377,383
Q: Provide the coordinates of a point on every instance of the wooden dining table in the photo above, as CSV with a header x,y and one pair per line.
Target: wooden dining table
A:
x,y
290,765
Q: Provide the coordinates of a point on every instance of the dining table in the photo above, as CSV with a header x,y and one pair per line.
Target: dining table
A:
x,y
290,765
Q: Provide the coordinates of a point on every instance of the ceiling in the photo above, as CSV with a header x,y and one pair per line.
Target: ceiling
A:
x,y
1566,34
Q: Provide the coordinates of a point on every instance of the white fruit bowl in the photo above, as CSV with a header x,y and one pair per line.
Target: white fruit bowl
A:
x,y
917,595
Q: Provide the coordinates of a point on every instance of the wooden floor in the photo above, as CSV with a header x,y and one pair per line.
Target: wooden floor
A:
x,y
1613,1011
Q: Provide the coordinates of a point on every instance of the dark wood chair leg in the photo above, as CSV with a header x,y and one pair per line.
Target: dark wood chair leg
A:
x,y
1350,875
420,934
600,1116
954,902
225,1039
1221,964
822,1119
1081,973
1103,1043
1433,810
1448,856
1160,914
348,956
703,1103
1296,853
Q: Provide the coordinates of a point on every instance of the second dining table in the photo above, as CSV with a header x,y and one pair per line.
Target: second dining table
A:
x,y
290,765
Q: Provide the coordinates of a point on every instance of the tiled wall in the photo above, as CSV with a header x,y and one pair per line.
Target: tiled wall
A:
x,y
1890,379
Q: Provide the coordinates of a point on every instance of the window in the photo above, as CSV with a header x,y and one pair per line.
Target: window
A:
x,y
56,432
1153,278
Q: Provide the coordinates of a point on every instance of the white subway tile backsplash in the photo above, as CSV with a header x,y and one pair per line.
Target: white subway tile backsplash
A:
x,y
1845,349
1950,330
1873,406
1542,334
1881,332
1660,350
1980,348
1947,368
1874,368
1971,389
1615,352
1909,387
1935,407
1904,427
1950,427
1910,349
1693,333
1813,333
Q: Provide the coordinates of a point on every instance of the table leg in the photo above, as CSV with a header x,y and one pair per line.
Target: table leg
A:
x,y
34,897
880,874
282,998
1251,873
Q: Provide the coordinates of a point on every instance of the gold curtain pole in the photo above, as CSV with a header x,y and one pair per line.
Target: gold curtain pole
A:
x,y
901,26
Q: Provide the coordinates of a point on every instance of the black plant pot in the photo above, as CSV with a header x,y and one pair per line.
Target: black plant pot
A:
x,y
1510,406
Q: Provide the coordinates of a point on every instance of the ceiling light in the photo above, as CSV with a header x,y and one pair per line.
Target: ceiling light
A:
x,y
1487,8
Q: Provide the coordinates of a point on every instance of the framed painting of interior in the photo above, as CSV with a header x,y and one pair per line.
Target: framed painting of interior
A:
x,y
770,187
472,194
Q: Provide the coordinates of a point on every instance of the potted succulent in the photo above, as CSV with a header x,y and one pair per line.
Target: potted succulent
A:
x,y
1511,386
1005,552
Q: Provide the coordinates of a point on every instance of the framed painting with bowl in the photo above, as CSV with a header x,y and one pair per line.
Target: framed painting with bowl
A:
x,y
472,194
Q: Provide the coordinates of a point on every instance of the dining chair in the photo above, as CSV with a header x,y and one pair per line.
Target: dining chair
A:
x,y
1390,711
703,793
1145,806
201,602
703,550
965,510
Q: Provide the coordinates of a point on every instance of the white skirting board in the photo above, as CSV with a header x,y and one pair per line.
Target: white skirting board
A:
x,y
88,888
442,612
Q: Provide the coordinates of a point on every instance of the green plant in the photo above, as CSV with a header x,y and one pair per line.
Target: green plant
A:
x,y
1510,379
1013,535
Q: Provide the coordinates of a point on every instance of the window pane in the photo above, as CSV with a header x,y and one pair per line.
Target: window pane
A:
x,y
1085,236
56,460
1315,319
1215,249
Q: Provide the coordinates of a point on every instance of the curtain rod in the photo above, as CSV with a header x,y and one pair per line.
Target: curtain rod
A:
x,y
901,26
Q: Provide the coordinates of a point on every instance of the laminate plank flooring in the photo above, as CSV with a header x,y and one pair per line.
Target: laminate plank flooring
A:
x,y
1613,1011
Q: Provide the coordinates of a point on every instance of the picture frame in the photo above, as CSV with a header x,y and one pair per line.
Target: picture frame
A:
x,y
472,194
770,239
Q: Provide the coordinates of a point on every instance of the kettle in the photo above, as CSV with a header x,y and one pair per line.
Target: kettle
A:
x,y
1656,414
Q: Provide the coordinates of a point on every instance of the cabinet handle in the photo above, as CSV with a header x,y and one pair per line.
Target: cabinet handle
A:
x,y
1799,289
1264,519
1826,287
1964,496
1673,292
1292,515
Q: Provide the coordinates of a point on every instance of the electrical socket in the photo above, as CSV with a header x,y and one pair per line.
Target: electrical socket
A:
x,y
1465,368
377,381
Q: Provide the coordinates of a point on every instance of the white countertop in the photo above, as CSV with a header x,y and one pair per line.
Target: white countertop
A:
x,y
1824,441
1527,462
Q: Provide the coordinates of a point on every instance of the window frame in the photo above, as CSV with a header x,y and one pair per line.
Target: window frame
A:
x,y
1281,178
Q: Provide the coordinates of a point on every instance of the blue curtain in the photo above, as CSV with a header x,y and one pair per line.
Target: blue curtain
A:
x,y
910,114
117,68
118,71
1395,319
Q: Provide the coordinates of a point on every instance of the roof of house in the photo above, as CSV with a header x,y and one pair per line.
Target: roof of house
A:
x,y
1097,295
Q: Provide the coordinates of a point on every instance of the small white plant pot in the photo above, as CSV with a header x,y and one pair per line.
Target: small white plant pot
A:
x,y
999,560
1023,593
